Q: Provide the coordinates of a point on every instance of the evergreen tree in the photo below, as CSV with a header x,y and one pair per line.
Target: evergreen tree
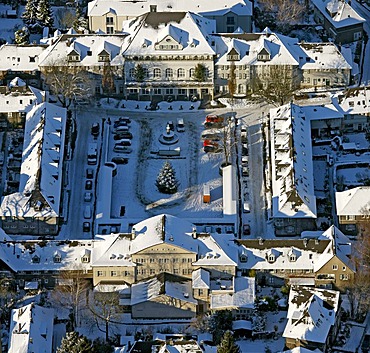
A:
x,y
80,22
73,343
221,321
22,36
45,14
200,73
29,15
228,344
139,73
108,79
102,347
166,179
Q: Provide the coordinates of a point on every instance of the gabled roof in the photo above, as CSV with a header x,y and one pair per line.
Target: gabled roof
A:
x,y
20,57
185,27
354,100
353,202
31,329
42,163
292,180
344,14
311,313
200,279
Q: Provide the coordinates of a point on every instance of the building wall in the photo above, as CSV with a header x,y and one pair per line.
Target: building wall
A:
x,y
33,226
334,273
293,226
329,77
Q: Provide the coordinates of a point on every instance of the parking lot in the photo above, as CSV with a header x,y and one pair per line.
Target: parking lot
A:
x,y
133,194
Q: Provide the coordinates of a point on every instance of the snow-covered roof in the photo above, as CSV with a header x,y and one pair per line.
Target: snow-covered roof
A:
x,y
354,101
31,329
201,278
292,180
135,8
322,56
282,49
353,202
311,313
338,12
36,256
157,230
163,284
42,162
241,296
302,350
88,46
19,57
229,188
189,30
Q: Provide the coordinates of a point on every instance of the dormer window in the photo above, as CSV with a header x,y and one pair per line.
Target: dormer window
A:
x,y
57,258
263,55
271,258
233,57
85,259
103,58
36,259
292,258
243,258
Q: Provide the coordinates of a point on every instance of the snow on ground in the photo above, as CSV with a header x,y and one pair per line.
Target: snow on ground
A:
x,y
9,25
352,176
320,168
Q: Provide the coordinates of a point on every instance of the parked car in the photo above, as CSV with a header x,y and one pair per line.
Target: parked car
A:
x,y
123,142
120,129
89,173
122,149
120,160
245,171
86,227
180,125
95,128
245,151
171,125
211,148
124,118
88,185
87,212
123,135
210,143
213,121
87,196
246,229
214,135
120,123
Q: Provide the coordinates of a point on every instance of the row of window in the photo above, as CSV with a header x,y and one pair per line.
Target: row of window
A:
x,y
151,271
168,73
167,91
164,260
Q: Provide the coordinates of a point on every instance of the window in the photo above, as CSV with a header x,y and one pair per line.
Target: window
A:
x,y
169,90
32,59
181,73
152,271
132,72
271,258
109,20
36,259
181,91
191,72
100,273
57,259
157,73
110,30
157,91
176,271
113,273
344,277
169,73
292,258
230,20
335,267
89,53
344,268
151,260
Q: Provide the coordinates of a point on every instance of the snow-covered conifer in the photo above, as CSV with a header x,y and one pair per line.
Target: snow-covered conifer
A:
x,y
29,15
45,14
166,179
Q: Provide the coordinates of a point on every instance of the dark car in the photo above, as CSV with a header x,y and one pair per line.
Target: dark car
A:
x,y
95,128
88,185
86,227
124,119
123,135
89,173
246,229
123,142
211,148
120,123
120,160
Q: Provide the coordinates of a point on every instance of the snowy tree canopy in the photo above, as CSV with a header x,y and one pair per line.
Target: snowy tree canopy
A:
x,y
45,14
29,15
166,179
74,343
228,344
22,36
80,22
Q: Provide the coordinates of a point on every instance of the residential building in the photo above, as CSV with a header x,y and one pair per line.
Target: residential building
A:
x,y
341,22
37,207
353,208
16,100
230,15
293,198
167,47
31,329
313,318
90,53
20,61
322,259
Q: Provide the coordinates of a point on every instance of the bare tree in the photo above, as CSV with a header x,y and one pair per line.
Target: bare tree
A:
x,y
286,12
67,82
105,308
71,291
277,86
231,83
227,141
65,17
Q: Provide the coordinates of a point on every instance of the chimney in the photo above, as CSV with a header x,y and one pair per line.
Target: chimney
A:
x,y
133,233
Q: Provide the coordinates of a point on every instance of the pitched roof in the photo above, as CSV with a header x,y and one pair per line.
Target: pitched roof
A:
x,y
19,57
41,169
353,202
31,329
292,180
311,313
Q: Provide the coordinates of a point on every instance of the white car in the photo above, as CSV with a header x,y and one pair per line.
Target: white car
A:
x,y
88,196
